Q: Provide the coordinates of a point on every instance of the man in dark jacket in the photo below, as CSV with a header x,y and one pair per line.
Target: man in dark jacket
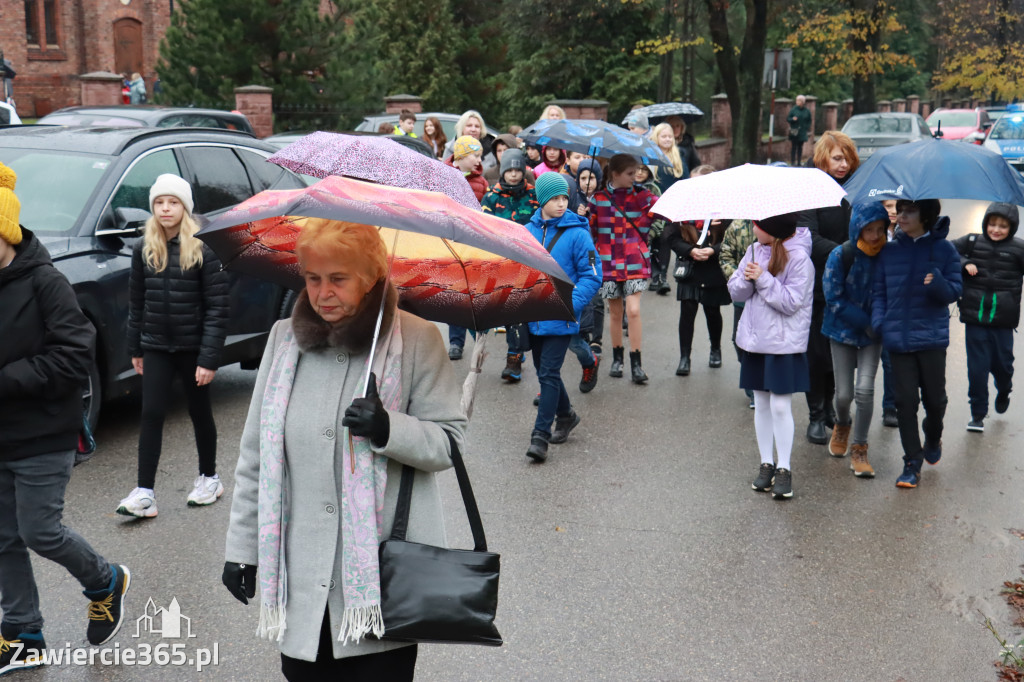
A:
x,y
916,277
44,362
990,307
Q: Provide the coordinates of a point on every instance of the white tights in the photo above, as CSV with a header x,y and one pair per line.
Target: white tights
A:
x,y
773,419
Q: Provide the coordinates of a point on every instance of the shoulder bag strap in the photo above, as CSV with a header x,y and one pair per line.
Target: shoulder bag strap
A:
x,y
611,199
401,523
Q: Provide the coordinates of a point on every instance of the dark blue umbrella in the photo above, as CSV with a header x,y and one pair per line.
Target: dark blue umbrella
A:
x,y
594,138
662,110
935,169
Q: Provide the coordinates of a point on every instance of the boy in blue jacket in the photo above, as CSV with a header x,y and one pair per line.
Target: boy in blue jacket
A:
x,y
566,236
916,278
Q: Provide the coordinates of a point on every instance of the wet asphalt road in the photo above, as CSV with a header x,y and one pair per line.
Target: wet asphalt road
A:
x,y
637,552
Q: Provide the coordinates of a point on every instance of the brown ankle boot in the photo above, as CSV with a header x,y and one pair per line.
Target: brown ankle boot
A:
x,y
840,436
859,461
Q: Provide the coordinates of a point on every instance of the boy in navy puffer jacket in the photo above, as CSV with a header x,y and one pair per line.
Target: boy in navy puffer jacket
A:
x,y
990,307
566,236
916,277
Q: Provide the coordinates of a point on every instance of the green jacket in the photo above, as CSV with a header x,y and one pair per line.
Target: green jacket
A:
x,y
737,239
799,119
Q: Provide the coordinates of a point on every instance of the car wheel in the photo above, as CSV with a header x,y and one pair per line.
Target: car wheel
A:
x,y
92,396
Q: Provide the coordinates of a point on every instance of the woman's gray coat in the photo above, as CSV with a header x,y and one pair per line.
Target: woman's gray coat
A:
x,y
325,382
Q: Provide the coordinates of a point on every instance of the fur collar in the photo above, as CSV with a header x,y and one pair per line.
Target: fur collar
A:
x,y
354,334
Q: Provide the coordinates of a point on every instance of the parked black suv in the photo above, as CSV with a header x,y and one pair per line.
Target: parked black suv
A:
x,y
85,194
147,115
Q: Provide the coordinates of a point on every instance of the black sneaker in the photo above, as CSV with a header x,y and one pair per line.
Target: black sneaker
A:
x,y
106,607
563,425
1002,402
932,452
783,487
24,651
589,380
977,424
889,417
765,476
455,353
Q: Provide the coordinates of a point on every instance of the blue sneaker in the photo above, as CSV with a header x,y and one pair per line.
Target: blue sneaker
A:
x,y
23,651
932,452
910,476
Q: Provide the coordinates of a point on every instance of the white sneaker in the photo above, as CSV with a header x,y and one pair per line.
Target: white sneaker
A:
x,y
205,491
141,502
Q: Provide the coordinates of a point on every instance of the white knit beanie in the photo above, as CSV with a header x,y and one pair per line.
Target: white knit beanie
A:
x,y
169,184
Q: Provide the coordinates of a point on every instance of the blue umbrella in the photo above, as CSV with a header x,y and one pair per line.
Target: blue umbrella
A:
x,y
594,138
935,169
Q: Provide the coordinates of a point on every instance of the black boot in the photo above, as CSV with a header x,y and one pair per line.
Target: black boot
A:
x,y
637,371
816,432
617,357
563,426
716,358
538,450
683,370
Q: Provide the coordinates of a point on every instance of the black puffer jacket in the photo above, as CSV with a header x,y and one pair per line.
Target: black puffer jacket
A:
x,y
45,356
992,297
177,310
829,228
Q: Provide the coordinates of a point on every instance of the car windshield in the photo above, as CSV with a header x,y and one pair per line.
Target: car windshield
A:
x,y
960,119
97,120
879,125
1008,127
53,186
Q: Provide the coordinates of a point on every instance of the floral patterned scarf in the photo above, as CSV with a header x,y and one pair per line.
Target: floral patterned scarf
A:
x,y
362,496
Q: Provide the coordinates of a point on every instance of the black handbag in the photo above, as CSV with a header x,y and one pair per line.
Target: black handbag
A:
x,y
434,594
684,268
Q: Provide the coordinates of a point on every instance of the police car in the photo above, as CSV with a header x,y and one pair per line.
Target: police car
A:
x,y
1006,137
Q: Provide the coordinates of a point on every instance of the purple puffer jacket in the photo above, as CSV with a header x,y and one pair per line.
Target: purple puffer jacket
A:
x,y
777,315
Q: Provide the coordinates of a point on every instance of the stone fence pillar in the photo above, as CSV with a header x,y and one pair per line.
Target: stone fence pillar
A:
x,y
100,89
721,117
394,104
914,104
588,109
884,106
782,107
831,113
256,102
900,105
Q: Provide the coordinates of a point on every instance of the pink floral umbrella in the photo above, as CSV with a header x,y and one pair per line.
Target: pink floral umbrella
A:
x,y
376,159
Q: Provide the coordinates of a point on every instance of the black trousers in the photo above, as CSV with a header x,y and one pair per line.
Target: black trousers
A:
x,y
158,372
919,377
796,149
819,363
687,318
395,665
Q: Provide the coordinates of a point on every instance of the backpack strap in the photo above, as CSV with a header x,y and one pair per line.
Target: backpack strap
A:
x,y
972,241
849,253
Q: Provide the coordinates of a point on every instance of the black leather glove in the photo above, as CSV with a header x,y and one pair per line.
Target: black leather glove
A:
x,y
240,579
367,418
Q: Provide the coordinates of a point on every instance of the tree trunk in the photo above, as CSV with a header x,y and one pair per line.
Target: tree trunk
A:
x,y
742,80
864,95
665,65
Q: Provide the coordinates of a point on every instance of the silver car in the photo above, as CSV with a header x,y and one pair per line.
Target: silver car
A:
x,y
871,132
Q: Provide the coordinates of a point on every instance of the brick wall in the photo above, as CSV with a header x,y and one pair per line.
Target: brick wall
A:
x,y
48,79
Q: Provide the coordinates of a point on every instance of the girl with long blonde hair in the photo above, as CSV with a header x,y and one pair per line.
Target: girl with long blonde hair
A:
x,y
665,138
177,319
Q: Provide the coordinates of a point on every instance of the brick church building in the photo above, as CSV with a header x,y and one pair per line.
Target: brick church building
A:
x,y
50,43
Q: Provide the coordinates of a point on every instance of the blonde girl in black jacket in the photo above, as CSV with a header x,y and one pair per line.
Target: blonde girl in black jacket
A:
x,y
176,326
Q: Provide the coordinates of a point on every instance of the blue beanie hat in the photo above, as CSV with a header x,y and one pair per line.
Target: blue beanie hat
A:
x,y
551,185
592,165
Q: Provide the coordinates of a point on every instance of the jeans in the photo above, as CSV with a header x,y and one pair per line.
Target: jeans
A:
x,y
517,336
888,399
456,336
579,346
31,507
846,359
158,372
919,377
989,351
548,356
687,317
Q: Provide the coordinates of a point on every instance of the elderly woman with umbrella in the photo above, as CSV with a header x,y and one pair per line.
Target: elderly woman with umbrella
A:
x,y
314,532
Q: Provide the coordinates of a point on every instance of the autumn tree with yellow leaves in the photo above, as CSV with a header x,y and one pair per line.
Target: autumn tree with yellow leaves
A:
x,y
981,45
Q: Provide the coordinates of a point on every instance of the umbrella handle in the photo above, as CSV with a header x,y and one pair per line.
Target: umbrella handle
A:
x,y
704,232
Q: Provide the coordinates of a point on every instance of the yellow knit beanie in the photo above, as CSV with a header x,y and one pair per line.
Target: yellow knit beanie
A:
x,y
10,207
